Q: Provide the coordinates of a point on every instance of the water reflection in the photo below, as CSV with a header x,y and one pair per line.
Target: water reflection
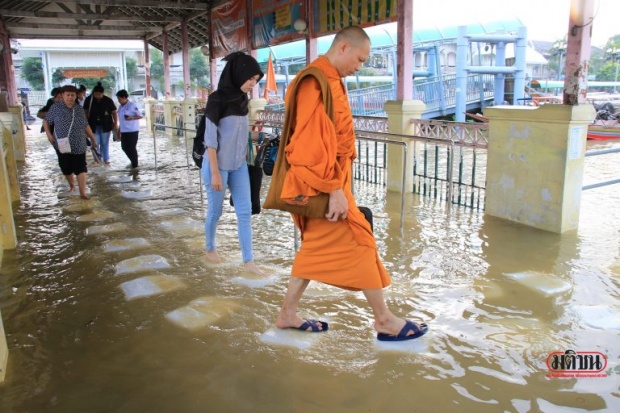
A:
x,y
498,297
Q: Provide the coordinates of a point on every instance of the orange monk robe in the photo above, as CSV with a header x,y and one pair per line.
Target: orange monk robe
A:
x,y
320,154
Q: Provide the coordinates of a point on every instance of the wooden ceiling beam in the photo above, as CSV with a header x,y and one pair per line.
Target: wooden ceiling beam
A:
x,y
88,16
137,3
83,27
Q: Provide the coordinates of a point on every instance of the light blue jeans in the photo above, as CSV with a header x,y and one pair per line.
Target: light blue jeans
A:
x,y
239,183
103,140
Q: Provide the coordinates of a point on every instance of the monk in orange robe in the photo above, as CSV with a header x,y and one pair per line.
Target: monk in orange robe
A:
x,y
339,249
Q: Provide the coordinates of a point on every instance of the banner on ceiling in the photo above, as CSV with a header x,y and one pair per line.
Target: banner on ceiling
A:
x,y
331,16
273,21
228,28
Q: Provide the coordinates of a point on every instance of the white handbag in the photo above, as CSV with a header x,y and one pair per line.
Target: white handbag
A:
x,y
64,146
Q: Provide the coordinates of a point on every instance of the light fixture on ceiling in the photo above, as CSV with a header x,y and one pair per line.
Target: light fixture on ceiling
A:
x,y
300,25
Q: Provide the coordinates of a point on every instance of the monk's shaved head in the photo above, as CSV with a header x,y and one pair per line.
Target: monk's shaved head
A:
x,y
349,50
353,35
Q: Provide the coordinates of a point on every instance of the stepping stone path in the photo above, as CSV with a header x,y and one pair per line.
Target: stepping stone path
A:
x,y
202,312
151,285
142,263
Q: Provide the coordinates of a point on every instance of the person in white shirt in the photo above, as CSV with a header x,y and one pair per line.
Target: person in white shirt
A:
x,y
129,125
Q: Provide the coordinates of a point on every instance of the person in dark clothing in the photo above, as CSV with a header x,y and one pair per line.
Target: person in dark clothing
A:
x,y
56,97
102,117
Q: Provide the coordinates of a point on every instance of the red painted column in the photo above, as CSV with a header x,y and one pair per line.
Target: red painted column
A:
x,y
578,51
186,78
312,48
404,51
7,72
166,66
147,68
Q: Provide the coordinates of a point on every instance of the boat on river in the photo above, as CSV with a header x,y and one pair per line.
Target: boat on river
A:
x,y
604,130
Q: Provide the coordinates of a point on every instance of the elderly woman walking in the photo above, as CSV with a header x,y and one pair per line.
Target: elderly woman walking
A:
x,y
69,137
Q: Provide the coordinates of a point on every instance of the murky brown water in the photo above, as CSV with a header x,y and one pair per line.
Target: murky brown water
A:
x,y
78,345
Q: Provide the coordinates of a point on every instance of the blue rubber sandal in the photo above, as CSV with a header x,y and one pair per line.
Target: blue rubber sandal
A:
x,y
314,324
410,326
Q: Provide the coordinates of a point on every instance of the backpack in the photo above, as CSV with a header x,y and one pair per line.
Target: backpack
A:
x,y
198,149
267,153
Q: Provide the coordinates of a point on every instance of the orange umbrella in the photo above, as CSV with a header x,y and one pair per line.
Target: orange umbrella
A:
x,y
270,78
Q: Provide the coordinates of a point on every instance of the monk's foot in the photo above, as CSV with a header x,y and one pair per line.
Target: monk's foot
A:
x,y
251,267
393,326
293,321
213,257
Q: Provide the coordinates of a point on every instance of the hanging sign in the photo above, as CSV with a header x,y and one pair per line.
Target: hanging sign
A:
x,y
84,73
273,21
228,28
331,16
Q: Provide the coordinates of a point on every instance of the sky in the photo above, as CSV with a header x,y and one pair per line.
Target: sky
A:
x,y
544,19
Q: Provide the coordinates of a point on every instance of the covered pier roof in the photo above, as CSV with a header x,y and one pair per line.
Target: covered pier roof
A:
x,y
109,19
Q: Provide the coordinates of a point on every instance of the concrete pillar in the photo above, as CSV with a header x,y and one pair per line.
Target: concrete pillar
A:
x,y
7,119
254,106
189,116
4,349
8,236
19,141
169,115
535,164
149,113
399,114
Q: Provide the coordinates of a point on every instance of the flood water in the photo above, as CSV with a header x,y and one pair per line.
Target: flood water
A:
x,y
498,297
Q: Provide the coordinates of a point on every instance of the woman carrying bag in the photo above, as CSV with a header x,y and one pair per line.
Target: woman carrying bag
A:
x,y
102,118
68,137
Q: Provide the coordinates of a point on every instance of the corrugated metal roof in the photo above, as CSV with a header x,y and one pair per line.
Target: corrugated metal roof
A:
x,y
109,19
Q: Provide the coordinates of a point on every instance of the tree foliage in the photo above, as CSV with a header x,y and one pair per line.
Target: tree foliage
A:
x,y
32,72
131,67
198,68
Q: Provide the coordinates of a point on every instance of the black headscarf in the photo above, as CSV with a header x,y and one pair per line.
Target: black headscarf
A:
x,y
229,99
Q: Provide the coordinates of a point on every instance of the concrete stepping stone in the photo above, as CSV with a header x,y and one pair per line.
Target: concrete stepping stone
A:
x,y
106,229
120,179
142,263
545,284
599,316
183,227
135,185
98,215
137,195
202,312
252,280
168,211
126,244
415,346
151,285
82,205
291,337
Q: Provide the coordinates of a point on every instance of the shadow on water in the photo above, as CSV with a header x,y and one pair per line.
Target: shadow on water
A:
x,y
498,297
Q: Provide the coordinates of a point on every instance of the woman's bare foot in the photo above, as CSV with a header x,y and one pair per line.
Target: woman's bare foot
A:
x,y
84,196
214,257
253,268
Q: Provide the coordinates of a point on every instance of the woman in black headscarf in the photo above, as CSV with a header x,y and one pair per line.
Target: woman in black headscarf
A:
x,y
226,143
